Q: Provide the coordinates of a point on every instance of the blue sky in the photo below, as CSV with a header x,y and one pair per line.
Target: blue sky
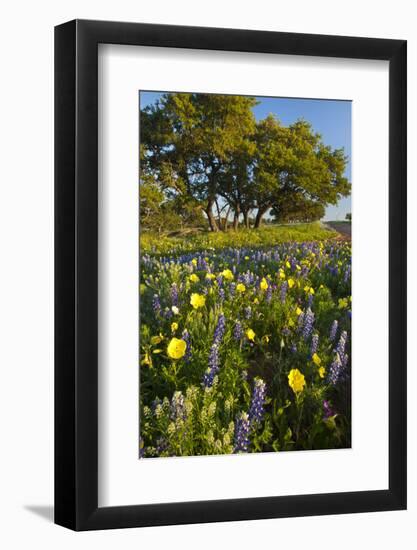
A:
x,y
330,118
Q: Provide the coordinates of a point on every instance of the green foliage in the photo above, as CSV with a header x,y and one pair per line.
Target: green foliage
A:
x,y
264,236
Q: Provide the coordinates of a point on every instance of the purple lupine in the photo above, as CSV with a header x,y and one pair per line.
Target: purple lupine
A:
x,y
187,340
247,312
174,294
241,442
268,296
335,370
328,411
283,291
333,330
221,294
238,331
232,289
220,328
156,304
310,300
256,410
340,348
308,323
213,360
314,344
177,406
213,366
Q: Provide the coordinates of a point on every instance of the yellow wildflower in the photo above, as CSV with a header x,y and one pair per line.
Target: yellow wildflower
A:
x,y
227,274
287,263
210,276
264,284
322,372
246,257
281,274
241,287
146,360
296,380
156,339
316,359
174,326
176,348
298,311
250,334
194,278
291,283
197,300
311,290
256,301
343,302
194,261
298,267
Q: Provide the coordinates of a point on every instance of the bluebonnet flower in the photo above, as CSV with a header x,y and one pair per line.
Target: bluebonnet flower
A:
x,y
247,312
232,289
156,304
333,330
221,294
238,331
268,296
335,370
314,344
187,340
283,291
213,360
174,294
340,348
328,411
308,323
256,410
177,406
242,427
310,300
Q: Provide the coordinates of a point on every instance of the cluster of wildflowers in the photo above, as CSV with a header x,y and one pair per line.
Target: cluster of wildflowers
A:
x,y
244,349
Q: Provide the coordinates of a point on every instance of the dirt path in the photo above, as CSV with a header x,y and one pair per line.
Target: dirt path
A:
x,y
344,228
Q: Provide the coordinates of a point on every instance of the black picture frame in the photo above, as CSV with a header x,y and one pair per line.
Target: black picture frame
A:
x,y
76,271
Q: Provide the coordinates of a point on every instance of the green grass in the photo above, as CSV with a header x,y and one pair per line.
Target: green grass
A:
x,y
265,236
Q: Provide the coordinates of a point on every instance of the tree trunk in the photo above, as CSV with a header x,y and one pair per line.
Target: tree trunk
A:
x,y
260,214
210,216
236,219
246,218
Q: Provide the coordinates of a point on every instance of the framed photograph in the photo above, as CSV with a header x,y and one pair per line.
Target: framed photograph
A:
x,y
230,252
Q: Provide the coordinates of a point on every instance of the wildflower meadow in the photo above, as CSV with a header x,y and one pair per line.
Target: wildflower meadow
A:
x,y
245,349
245,295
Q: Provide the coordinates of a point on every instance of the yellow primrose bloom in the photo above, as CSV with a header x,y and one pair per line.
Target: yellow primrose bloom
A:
x,y
194,278
296,380
210,276
176,348
311,290
256,301
343,302
265,339
264,284
322,372
174,326
250,334
194,261
241,287
298,267
316,359
246,257
291,323
291,283
298,311
197,300
287,263
227,274
281,274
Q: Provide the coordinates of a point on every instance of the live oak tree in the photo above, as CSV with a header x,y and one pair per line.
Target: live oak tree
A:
x,y
206,150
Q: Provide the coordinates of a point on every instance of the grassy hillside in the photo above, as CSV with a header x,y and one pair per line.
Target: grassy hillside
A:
x,y
265,236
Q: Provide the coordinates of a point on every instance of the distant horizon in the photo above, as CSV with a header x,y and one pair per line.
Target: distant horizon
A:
x,y
331,118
